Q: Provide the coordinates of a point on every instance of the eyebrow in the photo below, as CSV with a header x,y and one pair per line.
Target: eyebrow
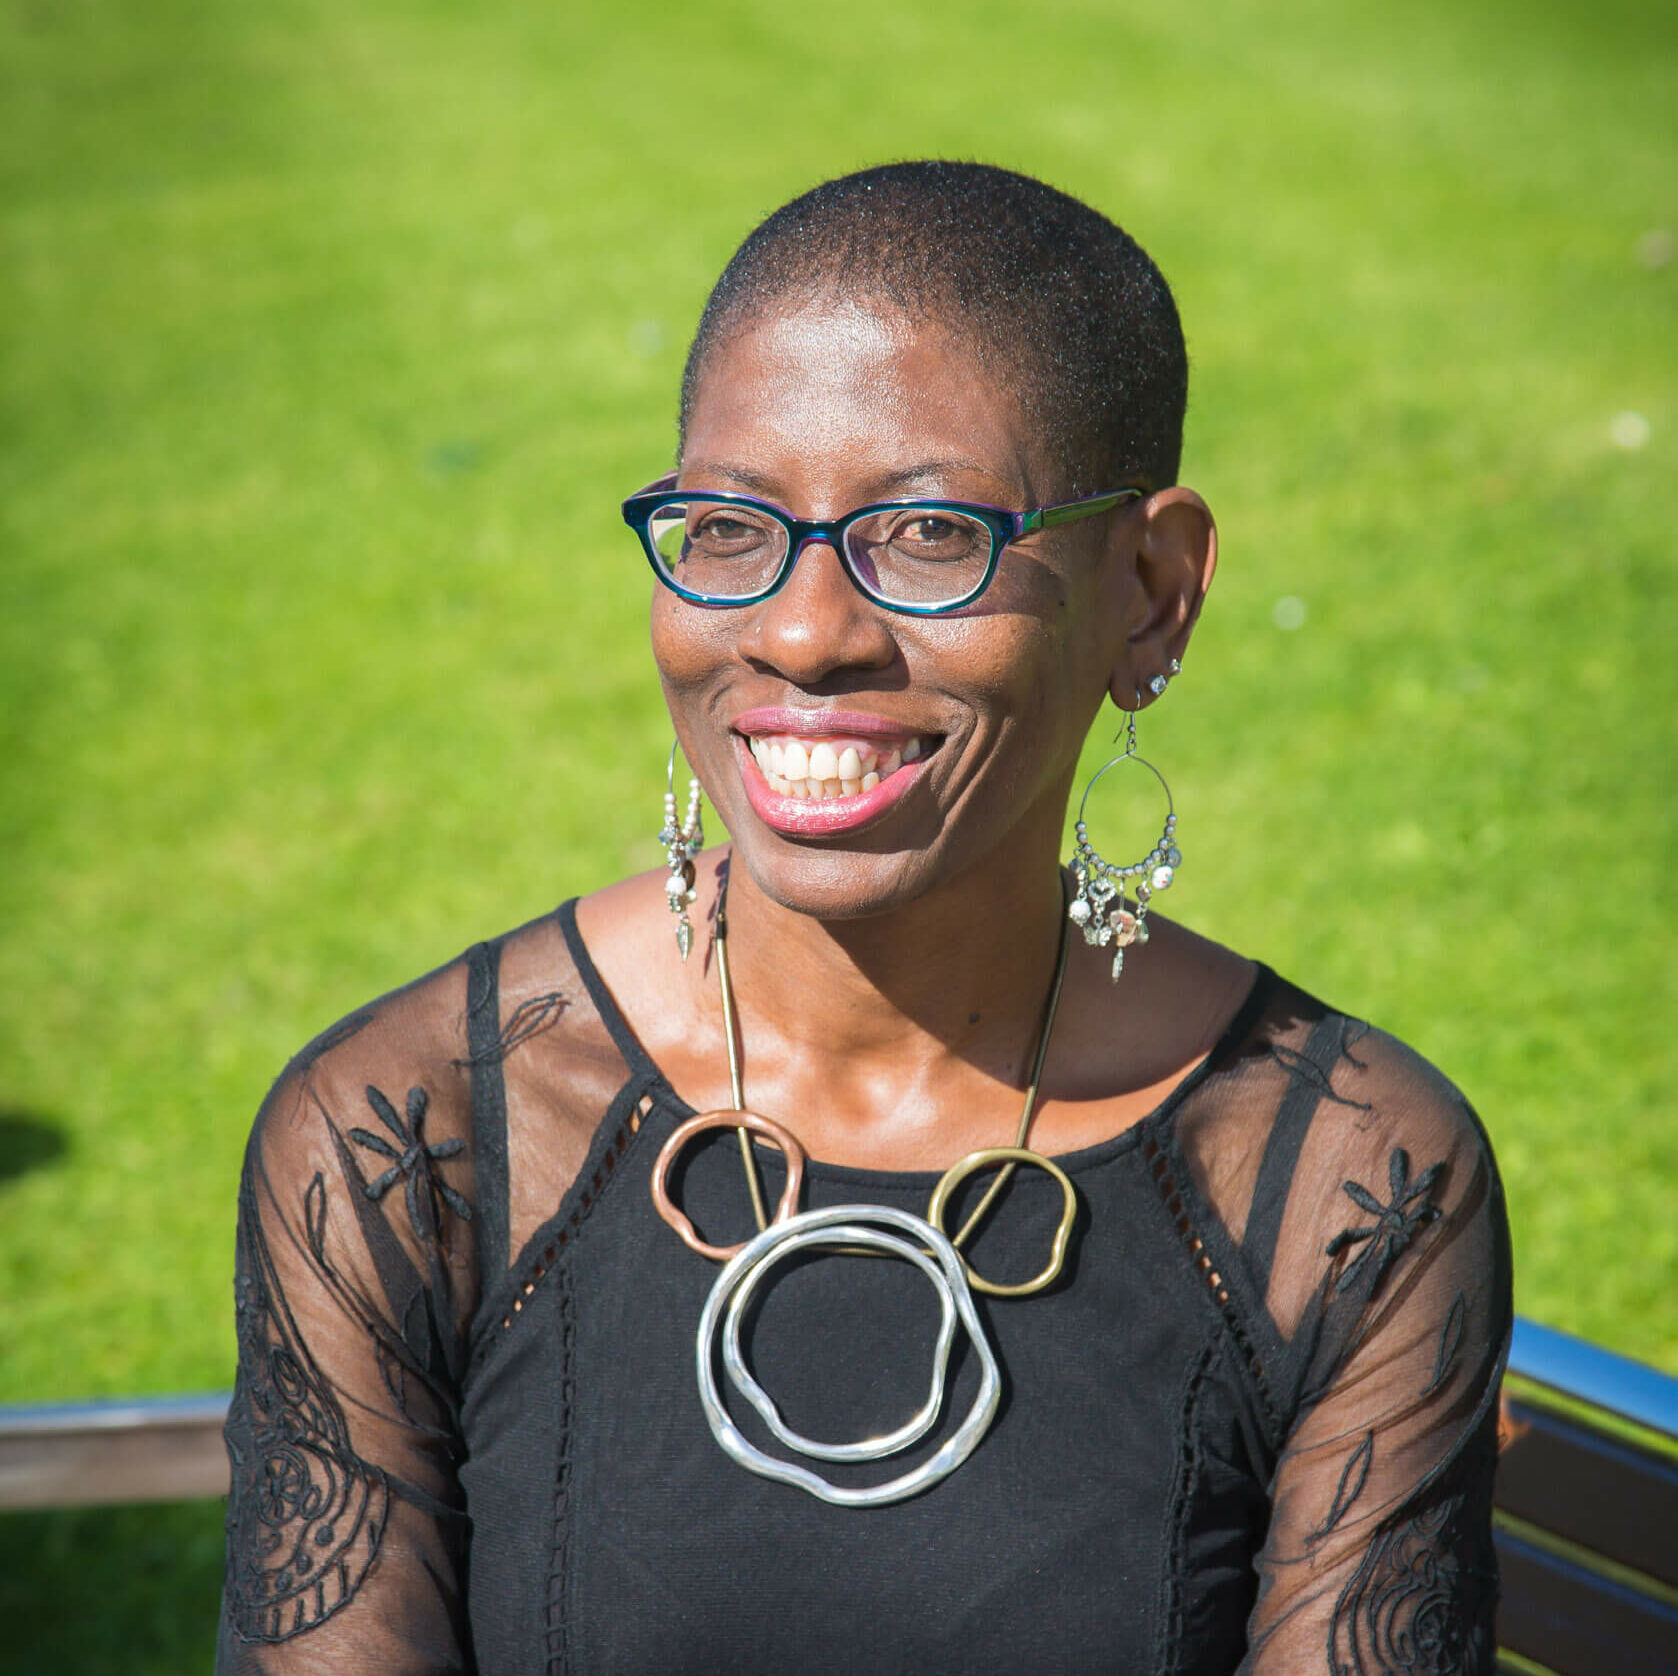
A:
x,y
756,483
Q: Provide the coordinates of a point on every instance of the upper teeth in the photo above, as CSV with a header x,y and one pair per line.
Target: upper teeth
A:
x,y
828,767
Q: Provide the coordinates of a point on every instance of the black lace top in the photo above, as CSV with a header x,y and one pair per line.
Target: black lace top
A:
x,y
1252,1428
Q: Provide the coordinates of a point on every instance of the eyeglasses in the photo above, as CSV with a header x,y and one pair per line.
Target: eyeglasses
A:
x,y
920,557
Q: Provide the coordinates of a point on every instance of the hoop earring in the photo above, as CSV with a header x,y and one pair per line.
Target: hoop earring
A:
x,y
1098,905
681,844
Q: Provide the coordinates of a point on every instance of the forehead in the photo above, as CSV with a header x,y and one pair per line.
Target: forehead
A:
x,y
839,398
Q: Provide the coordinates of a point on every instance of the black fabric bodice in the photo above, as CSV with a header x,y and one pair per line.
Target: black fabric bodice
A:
x,y
1250,1427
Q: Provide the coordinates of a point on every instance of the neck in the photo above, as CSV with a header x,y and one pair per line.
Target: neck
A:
x,y
973,958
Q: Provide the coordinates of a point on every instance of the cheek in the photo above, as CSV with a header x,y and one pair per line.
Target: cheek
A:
x,y
1014,676
1025,666
688,642
1003,663
1035,679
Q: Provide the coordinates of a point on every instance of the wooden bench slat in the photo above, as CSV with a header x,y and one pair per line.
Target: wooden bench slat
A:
x,y
89,1454
1576,1622
1604,1493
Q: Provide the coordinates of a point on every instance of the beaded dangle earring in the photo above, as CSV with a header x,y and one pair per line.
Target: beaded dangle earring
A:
x,y
681,844
1098,906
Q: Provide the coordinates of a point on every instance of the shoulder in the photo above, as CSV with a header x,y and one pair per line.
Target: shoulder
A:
x,y
1351,1091
1336,1155
371,1058
1405,1179
402,1069
1394,1123
1389,1205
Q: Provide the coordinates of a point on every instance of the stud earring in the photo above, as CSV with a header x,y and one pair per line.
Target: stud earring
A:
x,y
681,844
1098,905
1159,683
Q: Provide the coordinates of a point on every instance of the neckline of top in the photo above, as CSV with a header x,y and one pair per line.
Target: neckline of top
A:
x,y
644,1067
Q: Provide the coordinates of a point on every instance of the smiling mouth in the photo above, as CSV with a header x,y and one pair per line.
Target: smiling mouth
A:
x,y
828,767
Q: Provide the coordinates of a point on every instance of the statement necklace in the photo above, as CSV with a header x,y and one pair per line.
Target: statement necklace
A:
x,y
854,1229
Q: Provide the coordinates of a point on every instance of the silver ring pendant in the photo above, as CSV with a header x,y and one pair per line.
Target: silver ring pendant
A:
x,y
871,1448
883,1228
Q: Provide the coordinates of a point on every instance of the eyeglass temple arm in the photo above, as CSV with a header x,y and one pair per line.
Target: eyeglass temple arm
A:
x,y
1046,517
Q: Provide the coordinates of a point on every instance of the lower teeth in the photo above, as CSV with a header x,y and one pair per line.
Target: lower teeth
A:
x,y
822,789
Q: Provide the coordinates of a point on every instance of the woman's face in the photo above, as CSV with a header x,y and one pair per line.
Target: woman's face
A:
x,y
860,757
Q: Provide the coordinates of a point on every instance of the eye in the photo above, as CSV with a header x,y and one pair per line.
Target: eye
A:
x,y
721,531
938,536
931,529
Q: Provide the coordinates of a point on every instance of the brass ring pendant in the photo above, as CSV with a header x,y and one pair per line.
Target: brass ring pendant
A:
x,y
959,1171
698,1125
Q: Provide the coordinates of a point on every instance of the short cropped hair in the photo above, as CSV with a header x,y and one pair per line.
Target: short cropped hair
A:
x,y
1048,292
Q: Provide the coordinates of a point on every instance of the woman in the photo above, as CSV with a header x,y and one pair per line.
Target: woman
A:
x,y
1221,1384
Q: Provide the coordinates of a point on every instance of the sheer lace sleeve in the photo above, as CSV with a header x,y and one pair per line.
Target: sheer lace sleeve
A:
x,y
354,1270
1390,1280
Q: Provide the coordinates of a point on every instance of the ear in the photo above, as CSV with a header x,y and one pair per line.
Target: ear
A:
x,y
1173,546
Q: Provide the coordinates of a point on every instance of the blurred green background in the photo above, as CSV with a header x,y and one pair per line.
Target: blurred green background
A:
x,y
333,335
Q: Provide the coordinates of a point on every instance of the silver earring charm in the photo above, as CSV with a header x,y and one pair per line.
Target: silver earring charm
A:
x,y
681,844
1098,905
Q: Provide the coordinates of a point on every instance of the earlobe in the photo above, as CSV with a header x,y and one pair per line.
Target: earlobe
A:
x,y
1175,555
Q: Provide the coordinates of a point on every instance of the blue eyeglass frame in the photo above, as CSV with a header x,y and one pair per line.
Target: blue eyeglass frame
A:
x,y
1004,526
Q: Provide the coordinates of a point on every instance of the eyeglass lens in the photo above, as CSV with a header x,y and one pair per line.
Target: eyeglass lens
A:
x,y
906,555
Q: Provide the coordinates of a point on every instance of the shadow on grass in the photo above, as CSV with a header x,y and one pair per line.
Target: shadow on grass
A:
x,y
98,1591
28,1141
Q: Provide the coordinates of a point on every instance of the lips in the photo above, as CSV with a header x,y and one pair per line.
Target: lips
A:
x,y
812,774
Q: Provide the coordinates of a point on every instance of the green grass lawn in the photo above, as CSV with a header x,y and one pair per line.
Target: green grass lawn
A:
x,y
333,335
110,1591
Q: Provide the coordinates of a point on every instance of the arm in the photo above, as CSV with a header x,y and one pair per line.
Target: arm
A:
x,y
1379,1553
345,1525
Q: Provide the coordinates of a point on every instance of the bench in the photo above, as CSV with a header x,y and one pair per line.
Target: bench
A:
x,y
1586,1518
84,1454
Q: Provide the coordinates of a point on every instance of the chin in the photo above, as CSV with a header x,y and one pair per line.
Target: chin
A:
x,y
832,883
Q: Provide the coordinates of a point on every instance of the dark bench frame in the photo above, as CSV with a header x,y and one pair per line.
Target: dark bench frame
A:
x,y
1587,1511
1586,1516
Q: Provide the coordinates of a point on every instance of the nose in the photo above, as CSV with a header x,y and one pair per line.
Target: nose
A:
x,y
819,623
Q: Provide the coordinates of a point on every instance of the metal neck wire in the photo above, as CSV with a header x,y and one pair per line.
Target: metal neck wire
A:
x,y
731,1033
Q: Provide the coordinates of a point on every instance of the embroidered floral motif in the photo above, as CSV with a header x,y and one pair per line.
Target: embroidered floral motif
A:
x,y
1297,1064
413,1162
528,1019
1352,1479
1395,1225
305,1513
1450,1342
1414,1605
